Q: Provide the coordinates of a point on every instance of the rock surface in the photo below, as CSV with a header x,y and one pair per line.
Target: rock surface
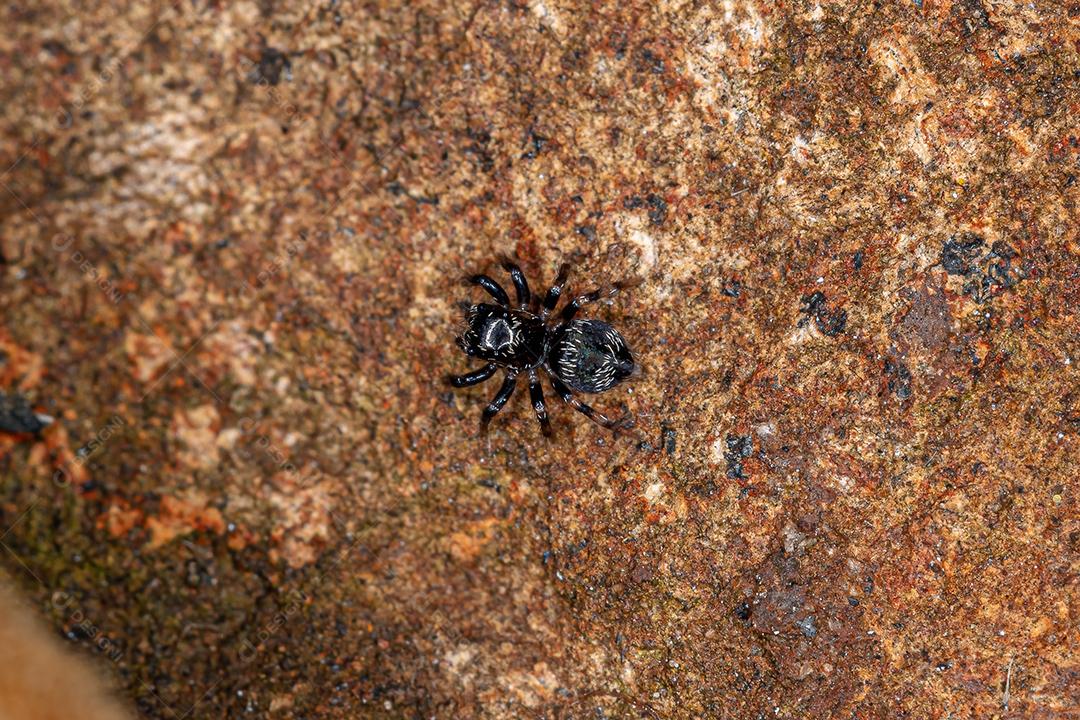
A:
x,y
231,237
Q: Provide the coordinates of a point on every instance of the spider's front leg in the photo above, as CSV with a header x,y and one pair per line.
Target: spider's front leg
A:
x,y
555,291
493,288
498,401
521,285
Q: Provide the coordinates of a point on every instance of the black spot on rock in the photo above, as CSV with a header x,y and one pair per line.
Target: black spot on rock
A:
x,y
813,303
657,209
479,149
829,322
807,627
987,272
586,231
272,63
651,61
667,435
538,142
959,253
17,417
739,447
899,378
971,16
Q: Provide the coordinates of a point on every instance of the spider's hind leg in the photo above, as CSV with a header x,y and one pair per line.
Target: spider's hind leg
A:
x,y
595,415
498,401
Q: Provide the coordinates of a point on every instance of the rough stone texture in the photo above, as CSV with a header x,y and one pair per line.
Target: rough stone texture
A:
x,y
231,237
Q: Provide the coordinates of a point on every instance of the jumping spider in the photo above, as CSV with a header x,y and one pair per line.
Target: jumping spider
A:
x,y
589,356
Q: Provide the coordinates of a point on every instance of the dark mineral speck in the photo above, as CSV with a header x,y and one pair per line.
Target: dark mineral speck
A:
x,y
536,143
586,231
829,322
899,378
807,627
667,439
17,417
959,253
657,209
739,447
271,66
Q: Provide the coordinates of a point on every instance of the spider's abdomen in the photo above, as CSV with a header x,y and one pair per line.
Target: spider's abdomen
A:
x,y
508,337
590,356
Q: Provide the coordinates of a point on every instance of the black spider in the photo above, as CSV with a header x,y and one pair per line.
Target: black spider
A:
x,y
584,355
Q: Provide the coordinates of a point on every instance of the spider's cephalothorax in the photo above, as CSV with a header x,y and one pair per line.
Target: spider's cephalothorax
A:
x,y
584,355
508,337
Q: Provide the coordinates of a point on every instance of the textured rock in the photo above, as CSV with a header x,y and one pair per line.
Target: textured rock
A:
x,y
233,233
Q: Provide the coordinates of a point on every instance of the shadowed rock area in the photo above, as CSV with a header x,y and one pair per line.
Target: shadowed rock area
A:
x,y
231,243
